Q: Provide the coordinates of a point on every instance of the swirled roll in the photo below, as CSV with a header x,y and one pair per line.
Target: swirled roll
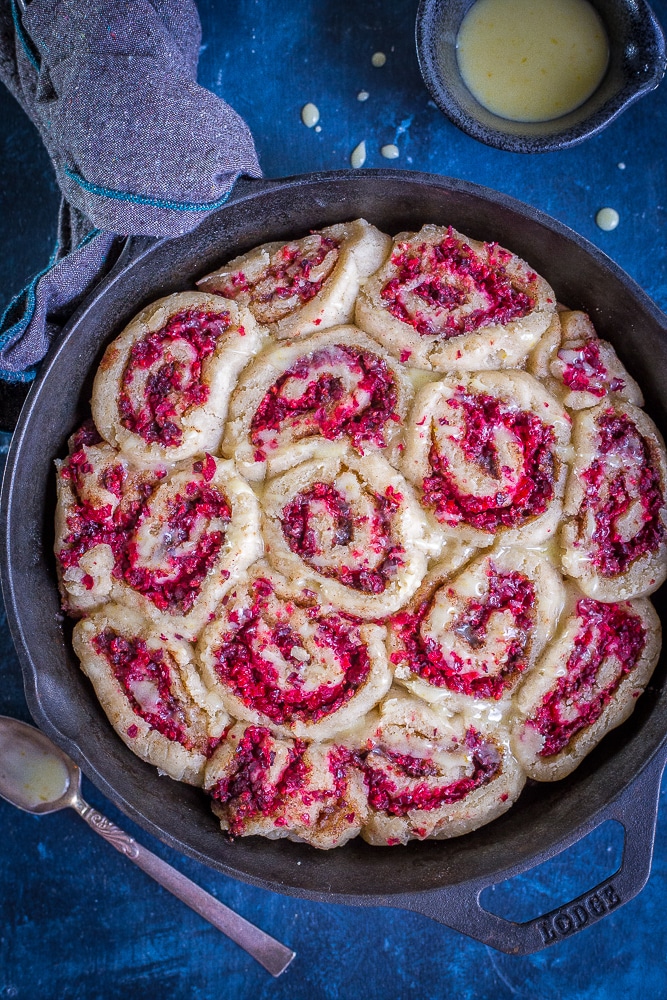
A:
x,y
615,533
193,538
586,683
487,453
451,303
150,690
279,660
577,367
265,786
100,495
297,287
427,775
337,384
474,635
350,529
162,388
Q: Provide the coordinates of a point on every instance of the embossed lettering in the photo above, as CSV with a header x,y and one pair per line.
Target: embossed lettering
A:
x,y
596,906
547,932
579,915
611,897
563,923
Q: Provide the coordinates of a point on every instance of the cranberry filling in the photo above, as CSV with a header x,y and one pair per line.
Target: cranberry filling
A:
x,y
585,371
321,407
385,795
247,791
254,679
169,385
507,592
186,565
303,539
288,274
610,491
514,502
607,632
444,277
133,665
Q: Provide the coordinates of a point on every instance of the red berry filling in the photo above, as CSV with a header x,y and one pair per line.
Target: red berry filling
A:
x,y
444,277
609,635
386,787
510,592
623,476
144,675
516,499
190,548
290,272
303,515
244,664
584,370
246,791
324,407
163,376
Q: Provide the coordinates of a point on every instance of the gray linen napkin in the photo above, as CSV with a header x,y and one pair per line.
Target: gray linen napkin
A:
x,y
138,147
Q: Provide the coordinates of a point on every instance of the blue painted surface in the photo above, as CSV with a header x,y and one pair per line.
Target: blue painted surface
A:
x,y
79,921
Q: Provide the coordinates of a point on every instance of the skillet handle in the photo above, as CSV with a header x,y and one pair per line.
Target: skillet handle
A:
x,y
459,907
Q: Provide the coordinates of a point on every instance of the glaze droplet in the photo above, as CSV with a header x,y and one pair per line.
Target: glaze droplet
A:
x,y
358,157
607,219
378,59
310,115
390,151
363,95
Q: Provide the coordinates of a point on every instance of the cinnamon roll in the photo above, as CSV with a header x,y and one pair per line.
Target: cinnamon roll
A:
x,y
475,634
279,660
162,388
586,683
577,367
337,384
297,287
350,529
428,775
149,688
615,533
488,453
448,302
270,787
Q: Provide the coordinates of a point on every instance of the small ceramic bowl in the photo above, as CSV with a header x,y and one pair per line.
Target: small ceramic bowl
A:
x,y
636,66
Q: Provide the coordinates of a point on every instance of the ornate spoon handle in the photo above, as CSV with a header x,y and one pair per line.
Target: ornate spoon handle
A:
x,y
273,955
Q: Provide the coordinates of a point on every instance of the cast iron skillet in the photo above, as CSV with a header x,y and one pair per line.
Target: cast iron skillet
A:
x,y
620,780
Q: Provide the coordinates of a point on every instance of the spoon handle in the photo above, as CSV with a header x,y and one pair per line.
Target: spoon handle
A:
x,y
273,955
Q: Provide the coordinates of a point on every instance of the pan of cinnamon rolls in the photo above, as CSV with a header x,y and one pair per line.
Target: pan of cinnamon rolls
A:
x,y
357,525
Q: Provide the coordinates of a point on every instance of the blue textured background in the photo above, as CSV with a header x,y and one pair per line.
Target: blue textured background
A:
x,y
78,920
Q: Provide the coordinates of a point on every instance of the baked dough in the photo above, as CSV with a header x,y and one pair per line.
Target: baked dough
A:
x,y
162,388
473,635
337,384
262,785
447,302
361,580
151,692
428,775
586,683
487,453
350,529
577,367
296,288
281,661
615,533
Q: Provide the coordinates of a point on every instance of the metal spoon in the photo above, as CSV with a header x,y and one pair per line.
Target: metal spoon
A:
x,y
37,776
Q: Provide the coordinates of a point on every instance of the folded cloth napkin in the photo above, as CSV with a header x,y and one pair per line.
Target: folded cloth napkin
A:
x,y
138,147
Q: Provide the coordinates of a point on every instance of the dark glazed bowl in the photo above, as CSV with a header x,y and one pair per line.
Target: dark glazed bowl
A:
x,y
636,66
